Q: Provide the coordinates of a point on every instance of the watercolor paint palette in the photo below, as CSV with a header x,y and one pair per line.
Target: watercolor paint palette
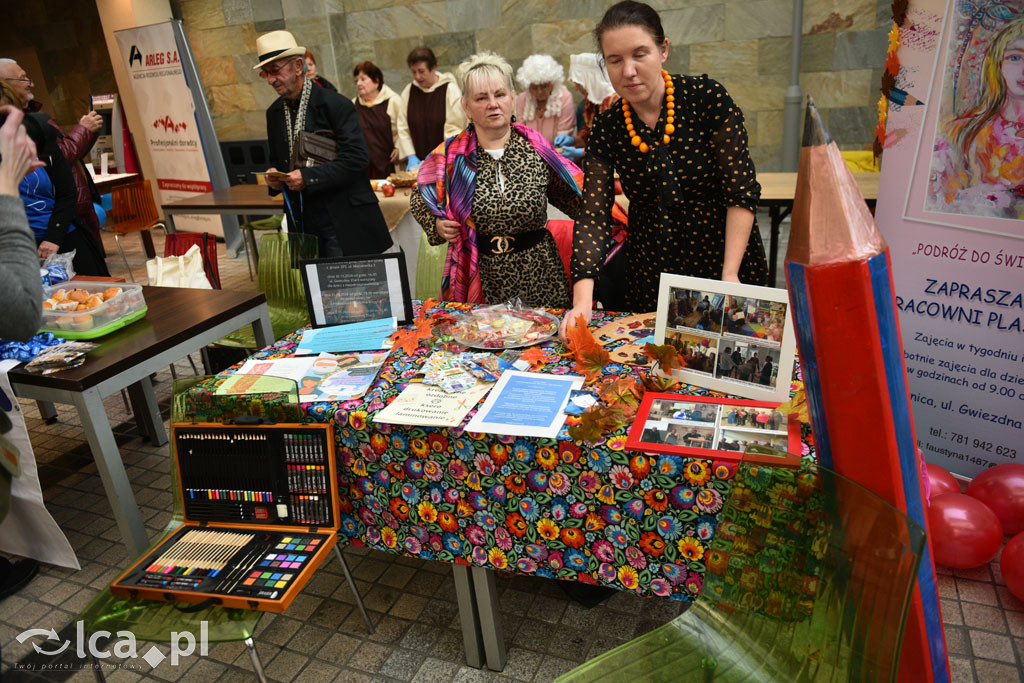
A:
x,y
251,539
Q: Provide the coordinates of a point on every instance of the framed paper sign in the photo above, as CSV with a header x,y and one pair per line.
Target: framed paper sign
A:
x,y
715,428
737,339
352,289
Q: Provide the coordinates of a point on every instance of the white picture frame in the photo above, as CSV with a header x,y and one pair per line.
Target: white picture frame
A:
x,y
751,321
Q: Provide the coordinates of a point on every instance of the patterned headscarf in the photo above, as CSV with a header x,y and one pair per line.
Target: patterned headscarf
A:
x,y
447,182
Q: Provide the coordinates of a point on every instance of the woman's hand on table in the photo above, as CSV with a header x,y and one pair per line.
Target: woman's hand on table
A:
x,y
582,304
448,230
569,320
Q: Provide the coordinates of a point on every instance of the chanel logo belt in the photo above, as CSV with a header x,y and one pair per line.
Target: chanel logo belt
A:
x,y
503,244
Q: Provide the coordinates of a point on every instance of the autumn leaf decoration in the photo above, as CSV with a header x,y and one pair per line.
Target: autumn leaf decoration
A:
x,y
617,404
619,398
590,355
534,355
665,356
408,338
797,405
625,392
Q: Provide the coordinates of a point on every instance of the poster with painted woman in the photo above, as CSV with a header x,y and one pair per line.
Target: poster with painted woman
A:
x,y
958,256
970,170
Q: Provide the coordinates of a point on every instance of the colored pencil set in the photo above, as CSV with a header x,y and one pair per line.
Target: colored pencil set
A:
x,y
274,476
265,499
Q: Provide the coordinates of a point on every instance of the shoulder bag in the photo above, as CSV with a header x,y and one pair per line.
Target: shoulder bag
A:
x,y
313,148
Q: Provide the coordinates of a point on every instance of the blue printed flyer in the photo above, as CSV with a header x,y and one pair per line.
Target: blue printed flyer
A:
x,y
525,404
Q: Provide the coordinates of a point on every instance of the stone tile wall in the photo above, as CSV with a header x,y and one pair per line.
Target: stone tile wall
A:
x,y
743,43
68,40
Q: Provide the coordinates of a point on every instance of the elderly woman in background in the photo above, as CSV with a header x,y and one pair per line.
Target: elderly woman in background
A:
x,y
431,108
377,106
545,103
311,72
587,74
486,190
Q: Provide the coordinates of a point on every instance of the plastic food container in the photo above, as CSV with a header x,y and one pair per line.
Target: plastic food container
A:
x,y
106,307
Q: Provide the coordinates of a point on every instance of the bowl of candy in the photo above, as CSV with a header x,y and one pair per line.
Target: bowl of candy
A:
x,y
503,327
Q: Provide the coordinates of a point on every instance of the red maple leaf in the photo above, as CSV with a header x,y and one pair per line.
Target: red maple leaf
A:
x,y
408,339
534,356
591,357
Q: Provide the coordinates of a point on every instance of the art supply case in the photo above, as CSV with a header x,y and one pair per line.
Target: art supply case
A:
x,y
261,514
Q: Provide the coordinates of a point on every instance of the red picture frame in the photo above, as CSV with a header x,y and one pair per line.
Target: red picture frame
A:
x,y
673,424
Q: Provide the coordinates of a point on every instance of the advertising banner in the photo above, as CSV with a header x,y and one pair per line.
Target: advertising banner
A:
x,y
168,117
950,207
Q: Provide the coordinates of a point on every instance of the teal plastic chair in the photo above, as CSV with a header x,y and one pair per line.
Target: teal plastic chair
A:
x,y
809,578
429,268
280,278
251,227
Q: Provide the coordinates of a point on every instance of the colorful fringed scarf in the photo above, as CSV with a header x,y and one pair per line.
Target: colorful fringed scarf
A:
x,y
447,182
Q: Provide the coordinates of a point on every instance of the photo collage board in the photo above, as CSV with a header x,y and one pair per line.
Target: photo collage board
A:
x,y
714,428
737,339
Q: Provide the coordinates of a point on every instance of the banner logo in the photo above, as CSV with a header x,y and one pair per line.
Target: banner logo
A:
x,y
169,125
134,54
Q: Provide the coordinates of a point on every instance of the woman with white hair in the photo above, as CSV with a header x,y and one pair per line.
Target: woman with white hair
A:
x,y
545,103
486,190
590,79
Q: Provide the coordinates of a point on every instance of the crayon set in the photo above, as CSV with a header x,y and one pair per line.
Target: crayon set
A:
x,y
260,515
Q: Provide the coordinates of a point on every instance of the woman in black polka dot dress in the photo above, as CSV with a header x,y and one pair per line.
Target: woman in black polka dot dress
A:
x,y
680,148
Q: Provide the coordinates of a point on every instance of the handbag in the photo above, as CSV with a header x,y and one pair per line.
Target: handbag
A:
x,y
178,271
313,149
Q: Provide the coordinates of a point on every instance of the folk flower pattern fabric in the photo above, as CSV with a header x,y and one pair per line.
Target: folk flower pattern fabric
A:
x,y
549,507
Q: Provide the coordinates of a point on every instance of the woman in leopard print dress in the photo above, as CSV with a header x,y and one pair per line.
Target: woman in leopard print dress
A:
x,y
486,191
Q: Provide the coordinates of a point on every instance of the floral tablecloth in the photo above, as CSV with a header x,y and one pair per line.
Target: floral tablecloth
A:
x,y
550,507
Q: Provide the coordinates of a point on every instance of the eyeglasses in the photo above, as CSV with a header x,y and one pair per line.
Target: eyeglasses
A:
x,y
273,71
22,80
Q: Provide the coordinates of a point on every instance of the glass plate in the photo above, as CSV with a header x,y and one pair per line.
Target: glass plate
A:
x,y
480,332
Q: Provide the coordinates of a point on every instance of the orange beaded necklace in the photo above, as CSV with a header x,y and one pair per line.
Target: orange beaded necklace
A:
x,y
670,116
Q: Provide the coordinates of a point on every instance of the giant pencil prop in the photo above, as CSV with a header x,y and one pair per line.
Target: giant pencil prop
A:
x,y
840,288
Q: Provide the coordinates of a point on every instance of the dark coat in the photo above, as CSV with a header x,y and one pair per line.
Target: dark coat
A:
x,y
47,141
338,196
75,145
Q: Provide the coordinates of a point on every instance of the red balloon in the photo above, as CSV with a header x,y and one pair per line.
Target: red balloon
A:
x,y
1012,565
964,533
941,481
1001,488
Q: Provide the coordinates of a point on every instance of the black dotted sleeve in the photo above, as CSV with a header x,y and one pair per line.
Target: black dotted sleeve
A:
x,y
725,122
561,196
593,229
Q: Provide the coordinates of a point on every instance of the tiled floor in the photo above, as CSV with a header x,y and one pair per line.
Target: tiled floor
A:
x,y
411,602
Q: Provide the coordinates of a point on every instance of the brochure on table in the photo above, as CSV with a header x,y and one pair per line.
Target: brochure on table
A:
x,y
327,377
428,405
526,404
737,339
372,334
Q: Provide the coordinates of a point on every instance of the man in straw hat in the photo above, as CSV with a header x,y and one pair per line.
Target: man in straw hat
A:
x,y
332,200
